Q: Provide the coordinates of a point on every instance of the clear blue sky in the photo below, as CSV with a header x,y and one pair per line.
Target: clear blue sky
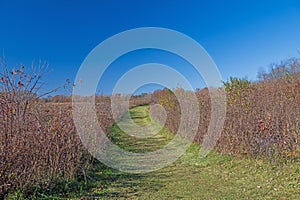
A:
x,y
240,36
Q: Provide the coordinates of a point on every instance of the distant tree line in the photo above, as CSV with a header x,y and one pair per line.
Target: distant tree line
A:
x,y
284,69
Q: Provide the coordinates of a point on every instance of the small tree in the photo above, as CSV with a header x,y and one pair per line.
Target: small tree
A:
x,y
38,142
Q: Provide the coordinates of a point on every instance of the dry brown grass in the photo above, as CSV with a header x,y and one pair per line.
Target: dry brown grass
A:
x,y
262,118
38,141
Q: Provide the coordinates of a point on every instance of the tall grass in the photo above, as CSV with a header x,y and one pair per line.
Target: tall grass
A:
x,y
39,145
262,118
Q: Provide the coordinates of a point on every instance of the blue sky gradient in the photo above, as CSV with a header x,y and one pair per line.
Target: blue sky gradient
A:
x,y
240,36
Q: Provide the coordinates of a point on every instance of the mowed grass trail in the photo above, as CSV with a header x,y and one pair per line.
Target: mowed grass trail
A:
x,y
150,135
214,177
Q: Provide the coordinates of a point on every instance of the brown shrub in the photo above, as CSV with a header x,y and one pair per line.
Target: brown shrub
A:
x,y
38,140
262,118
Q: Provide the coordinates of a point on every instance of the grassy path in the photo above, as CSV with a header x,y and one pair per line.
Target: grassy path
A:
x,y
215,177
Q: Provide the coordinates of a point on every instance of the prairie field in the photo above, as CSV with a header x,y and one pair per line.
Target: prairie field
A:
x,y
217,176
256,156
149,99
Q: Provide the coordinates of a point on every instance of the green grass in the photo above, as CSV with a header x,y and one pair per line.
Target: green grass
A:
x,y
159,136
214,177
